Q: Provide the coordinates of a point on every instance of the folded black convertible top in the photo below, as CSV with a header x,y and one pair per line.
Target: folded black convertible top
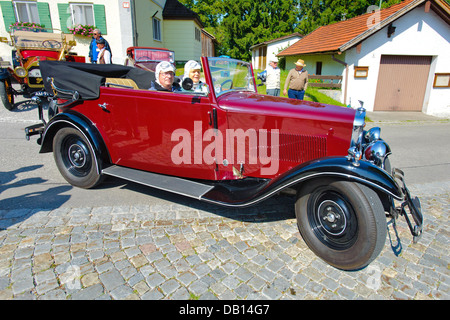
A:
x,y
86,78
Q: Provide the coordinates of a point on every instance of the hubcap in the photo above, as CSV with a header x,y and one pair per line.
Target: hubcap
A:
x,y
77,156
332,219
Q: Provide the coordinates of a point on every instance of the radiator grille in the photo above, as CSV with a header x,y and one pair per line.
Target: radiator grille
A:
x,y
295,148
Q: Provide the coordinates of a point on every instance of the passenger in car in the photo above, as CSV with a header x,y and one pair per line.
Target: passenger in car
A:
x,y
192,70
165,77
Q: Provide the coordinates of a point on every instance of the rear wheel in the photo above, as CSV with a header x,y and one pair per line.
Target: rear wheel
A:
x,y
76,159
6,94
342,222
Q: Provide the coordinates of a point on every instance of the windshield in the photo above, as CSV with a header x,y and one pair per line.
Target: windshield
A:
x,y
231,75
23,39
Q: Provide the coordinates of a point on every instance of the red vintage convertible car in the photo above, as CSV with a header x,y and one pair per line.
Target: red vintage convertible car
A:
x,y
230,146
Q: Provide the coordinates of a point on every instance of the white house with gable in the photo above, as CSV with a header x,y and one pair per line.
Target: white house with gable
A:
x,y
394,59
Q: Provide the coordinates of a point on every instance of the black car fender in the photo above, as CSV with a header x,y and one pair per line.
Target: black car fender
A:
x,y
337,167
82,124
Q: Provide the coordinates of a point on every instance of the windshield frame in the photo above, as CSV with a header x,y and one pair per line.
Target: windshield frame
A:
x,y
226,75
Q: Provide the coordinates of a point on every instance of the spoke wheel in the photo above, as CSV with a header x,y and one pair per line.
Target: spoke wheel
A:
x,y
6,94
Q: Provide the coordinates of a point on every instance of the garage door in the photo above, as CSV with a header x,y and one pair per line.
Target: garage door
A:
x,y
402,81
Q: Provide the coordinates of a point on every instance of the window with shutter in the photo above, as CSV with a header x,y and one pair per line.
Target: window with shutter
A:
x,y
65,17
100,18
71,14
82,14
9,16
44,14
26,11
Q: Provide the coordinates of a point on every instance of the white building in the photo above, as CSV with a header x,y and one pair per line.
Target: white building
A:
x,y
263,52
123,23
395,59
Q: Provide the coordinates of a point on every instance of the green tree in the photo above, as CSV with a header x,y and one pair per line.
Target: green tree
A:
x,y
316,13
240,24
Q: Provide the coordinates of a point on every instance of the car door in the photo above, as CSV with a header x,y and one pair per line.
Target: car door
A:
x,y
158,131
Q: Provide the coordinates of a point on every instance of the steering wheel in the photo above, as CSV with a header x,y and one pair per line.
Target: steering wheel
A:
x,y
144,58
51,44
225,82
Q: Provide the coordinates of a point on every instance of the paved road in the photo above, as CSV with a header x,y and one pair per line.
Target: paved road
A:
x,y
124,241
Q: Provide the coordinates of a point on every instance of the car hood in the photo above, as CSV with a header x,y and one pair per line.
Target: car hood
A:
x,y
298,122
253,103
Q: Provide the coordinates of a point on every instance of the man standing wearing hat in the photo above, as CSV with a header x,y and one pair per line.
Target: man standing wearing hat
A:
x,y
104,56
93,49
273,78
297,80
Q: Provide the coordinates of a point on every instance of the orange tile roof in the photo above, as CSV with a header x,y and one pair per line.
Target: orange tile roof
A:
x,y
331,37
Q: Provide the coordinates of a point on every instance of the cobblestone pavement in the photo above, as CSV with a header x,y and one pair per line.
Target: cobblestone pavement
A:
x,y
176,252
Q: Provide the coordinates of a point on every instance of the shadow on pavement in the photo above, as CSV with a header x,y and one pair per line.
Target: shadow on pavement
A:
x,y
277,208
51,198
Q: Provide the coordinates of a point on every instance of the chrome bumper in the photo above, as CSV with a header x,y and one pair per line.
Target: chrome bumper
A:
x,y
409,207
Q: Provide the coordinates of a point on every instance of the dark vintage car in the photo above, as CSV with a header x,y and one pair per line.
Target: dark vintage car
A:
x,y
230,146
30,47
148,57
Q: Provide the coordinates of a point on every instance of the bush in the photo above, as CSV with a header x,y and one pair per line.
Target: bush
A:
x,y
83,30
27,26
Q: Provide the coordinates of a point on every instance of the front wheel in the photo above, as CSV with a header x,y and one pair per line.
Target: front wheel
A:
x,y
6,94
342,222
76,159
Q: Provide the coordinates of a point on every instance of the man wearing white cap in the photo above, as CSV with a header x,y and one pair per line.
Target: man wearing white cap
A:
x,y
297,80
273,78
165,76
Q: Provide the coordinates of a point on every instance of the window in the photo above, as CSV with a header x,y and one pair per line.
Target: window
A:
x,y
82,14
361,72
197,34
26,11
441,80
319,68
156,29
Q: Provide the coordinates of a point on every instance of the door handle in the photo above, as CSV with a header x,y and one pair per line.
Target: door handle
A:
x,y
103,106
214,115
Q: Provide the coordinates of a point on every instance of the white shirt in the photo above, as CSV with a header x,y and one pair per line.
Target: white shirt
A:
x,y
106,56
273,78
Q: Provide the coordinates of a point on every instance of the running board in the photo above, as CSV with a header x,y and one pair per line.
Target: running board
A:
x,y
159,181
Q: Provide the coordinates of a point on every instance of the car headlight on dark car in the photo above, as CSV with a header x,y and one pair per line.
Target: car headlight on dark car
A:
x,y
21,72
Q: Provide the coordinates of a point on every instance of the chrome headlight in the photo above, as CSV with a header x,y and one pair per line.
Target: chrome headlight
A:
x,y
355,151
376,152
373,134
21,72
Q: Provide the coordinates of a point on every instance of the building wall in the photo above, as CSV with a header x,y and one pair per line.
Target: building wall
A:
x,y
329,66
272,50
179,36
417,33
144,11
275,47
118,23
